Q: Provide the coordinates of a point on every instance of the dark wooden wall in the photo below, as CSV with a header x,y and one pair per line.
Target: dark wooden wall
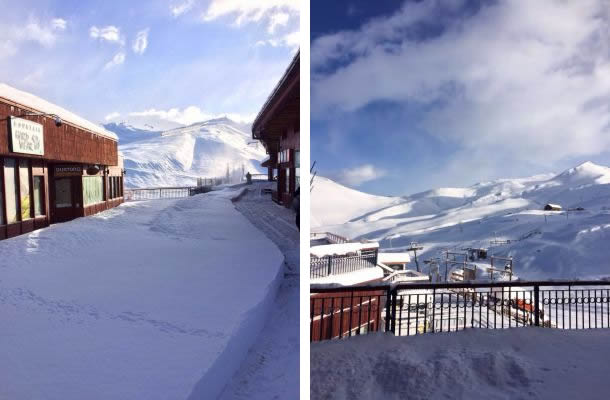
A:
x,y
66,143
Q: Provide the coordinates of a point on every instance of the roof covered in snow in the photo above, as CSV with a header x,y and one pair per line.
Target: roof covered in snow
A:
x,y
28,100
394,258
341,249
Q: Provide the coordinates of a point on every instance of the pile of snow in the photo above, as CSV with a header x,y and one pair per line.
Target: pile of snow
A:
x,y
515,363
31,101
565,244
150,300
179,156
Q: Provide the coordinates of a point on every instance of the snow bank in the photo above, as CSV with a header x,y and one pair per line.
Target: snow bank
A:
x,y
155,300
352,278
503,364
28,100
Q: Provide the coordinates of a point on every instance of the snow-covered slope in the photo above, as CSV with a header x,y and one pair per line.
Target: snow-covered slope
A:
x,y
336,204
179,156
544,244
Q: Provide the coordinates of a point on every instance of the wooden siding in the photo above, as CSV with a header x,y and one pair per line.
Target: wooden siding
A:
x,y
66,143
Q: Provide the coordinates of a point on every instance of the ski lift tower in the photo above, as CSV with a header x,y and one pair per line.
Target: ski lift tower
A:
x,y
414,246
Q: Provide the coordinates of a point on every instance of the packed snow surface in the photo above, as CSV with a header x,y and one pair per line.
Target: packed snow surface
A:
x,y
179,156
150,300
544,244
271,369
34,102
518,363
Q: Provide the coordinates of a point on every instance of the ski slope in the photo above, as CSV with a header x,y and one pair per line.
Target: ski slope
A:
x,y
179,156
544,244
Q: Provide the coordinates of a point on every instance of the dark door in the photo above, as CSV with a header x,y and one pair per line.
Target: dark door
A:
x,y
65,200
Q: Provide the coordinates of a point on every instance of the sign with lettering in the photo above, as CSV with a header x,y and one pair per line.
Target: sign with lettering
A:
x,y
68,170
26,137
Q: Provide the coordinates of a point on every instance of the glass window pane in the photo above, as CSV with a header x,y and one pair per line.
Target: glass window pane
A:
x,y
24,185
38,191
12,196
297,158
63,193
287,180
93,190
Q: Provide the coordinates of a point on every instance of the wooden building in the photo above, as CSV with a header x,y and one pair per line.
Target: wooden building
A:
x,y
277,127
54,165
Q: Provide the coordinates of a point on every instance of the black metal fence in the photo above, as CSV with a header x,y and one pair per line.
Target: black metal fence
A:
x,y
412,309
333,265
164,192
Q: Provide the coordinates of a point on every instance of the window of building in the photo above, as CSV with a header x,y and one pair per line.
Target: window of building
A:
x,y
93,190
287,180
111,187
39,208
297,167
24,189
10,187
1,203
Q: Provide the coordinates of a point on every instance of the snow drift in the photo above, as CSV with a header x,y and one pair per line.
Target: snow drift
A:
x,y
519,363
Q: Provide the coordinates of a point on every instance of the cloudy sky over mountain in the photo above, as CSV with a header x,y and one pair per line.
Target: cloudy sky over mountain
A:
x,y
150,61
412,95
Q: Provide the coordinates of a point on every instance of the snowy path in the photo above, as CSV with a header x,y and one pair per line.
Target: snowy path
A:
x,y
271,370
153,300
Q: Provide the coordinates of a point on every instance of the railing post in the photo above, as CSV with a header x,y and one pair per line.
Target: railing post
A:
x,y
329,265
394,296
536,310
388,310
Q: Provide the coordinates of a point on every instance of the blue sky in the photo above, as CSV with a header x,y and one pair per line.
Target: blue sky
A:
x,y
411,95
156,62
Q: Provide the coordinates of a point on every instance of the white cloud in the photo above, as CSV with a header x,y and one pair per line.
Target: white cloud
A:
x,y
187,116
141,42
44,33
59,24
118,59
277,19
246,11
112,116
356,176
291,40
530,79
108,33
181,8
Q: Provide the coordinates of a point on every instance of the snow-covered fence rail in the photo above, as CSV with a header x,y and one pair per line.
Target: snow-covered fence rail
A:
x,y
412,309
335,265
164,192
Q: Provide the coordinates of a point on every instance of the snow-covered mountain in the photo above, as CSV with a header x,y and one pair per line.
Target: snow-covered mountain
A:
x,y
544,244
179,156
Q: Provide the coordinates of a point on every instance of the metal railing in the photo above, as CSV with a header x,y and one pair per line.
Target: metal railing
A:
x,y
164,192
334,265
412,309
329,236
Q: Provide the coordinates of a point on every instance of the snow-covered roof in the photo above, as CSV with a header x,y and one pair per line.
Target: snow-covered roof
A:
x,y
31,101
394,258
553,205
341,248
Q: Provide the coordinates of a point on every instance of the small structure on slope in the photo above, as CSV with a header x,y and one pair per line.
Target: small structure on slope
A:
x,y
552,207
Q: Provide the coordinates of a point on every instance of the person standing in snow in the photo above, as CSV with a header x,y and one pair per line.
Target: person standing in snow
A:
x,y
296,206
